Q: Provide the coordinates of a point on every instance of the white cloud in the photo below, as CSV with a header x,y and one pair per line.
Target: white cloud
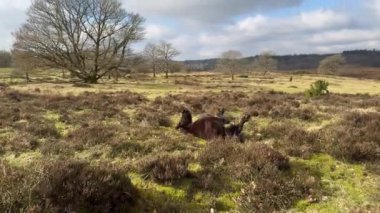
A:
x,y
204,10
156,32
314,31
202,29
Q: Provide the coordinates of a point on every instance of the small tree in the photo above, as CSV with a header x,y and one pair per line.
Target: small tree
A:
x,y
151,54
230,62
166,53
318,88
90,38
265,63
331,64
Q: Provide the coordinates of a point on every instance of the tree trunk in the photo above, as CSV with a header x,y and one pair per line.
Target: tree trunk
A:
x,y
90,80
27,77
116,75
232,76
63,74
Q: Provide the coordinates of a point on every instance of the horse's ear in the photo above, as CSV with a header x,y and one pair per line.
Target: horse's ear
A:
x,y
222,110
185,110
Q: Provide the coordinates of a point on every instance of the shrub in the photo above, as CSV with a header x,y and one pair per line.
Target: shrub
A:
x,y
355,138
293,140
272,191
15,185
57,147
318,88
42,129
255,158
241,161
274,104
301,143
165,168
73,186
23,142
152,117
93,134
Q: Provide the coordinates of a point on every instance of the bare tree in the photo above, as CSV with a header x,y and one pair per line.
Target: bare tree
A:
x,y
90,38
151,54
265,62
166,53
331,64
230,62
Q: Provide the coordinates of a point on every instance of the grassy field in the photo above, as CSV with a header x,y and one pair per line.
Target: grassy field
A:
x,y
86,148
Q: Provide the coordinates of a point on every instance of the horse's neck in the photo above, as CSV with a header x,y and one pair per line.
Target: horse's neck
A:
x,y
188,128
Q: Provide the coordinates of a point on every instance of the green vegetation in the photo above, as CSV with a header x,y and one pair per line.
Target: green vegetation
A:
x,y
318,88
300,154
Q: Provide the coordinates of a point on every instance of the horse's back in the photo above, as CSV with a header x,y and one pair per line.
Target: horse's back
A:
x,y
209,127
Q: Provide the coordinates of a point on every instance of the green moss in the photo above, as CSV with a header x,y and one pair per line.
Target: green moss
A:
x,y
348,184
62,128
169,191
202,142
24,159
194,167
227,202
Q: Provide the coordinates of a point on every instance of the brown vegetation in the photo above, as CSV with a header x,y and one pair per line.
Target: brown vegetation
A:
x,y
165,167
76,186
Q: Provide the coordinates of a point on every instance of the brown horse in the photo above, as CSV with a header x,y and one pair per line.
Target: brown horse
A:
x,y
210,127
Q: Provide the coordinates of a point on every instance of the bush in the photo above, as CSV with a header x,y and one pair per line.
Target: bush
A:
x,y
241,161
293,140
15,185
301,143
271,191
93,134
318,88
255,158
165,168
355,138
74,186
152,117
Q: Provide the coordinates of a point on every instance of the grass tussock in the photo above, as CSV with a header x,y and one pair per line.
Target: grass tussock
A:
x,y
152,117
69,186
15,186
272,191
93,134
355,138
165,168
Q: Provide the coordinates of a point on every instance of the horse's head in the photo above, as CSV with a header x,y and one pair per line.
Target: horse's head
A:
x,y
186,119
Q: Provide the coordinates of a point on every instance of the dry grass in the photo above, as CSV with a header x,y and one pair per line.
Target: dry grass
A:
x,y
112,128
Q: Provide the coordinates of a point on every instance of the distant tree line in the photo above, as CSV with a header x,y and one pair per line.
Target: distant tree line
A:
x,y
5,59
366,58
232,62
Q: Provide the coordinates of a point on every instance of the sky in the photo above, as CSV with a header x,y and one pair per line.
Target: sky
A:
x,y
202,29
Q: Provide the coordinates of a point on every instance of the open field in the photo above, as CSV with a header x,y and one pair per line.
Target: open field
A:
x,y
87,148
